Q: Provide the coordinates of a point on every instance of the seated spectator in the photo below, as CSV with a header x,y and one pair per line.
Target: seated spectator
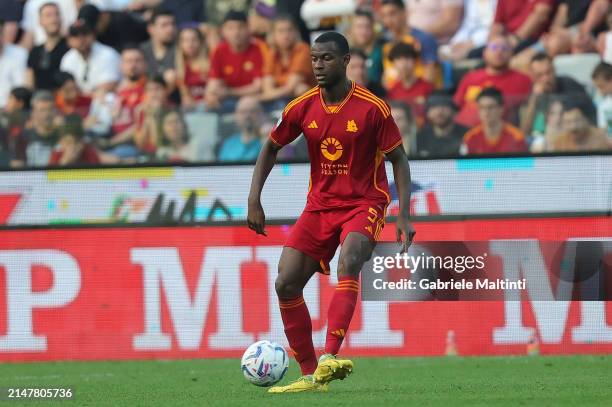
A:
x,y
245,145
514,85
192,65
523,23
261,18
441,137
160,50
44,60
408,88
149,115
99,120
129,95
362,36
68,97
402,114
12,121
71,149
236,65
174,146
41,136
92,64
578,133
34,33
440,18
493,135
544,142
474,30
357,71
13,61
604,40
602,78
546,84
394,17
287,69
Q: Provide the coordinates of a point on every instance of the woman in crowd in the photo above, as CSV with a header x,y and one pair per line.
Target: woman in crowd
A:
x,y
175,147
192,65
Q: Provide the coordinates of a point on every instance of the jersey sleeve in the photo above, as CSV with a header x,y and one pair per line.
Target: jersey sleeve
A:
x,y
287,128
388,135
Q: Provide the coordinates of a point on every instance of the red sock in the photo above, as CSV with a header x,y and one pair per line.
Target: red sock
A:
x,y
298,329
340,312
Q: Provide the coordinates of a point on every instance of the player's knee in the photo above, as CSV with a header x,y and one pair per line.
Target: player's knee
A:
x,y
350,263
286,288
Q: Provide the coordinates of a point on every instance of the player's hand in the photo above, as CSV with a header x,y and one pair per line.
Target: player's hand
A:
x,y
404,232
256,218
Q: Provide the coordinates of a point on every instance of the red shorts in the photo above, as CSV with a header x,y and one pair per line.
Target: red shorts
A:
x,y
318,233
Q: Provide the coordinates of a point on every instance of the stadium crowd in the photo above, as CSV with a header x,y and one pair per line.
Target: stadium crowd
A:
x,y
130,81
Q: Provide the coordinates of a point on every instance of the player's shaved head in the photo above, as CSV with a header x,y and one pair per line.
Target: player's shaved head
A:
x,y
341,45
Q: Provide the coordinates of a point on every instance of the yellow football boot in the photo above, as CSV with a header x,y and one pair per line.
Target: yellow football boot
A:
x,y
304,383
330,368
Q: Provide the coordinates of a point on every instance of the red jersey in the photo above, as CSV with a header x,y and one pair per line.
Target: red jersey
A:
x,y
89,155
128,98
346,145
514,85
512,13
237,69
415,96
511,140
195,81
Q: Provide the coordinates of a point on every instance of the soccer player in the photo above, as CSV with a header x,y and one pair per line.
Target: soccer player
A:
x,y
348,131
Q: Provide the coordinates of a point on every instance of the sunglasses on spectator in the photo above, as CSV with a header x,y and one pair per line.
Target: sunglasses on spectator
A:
x,y
499,47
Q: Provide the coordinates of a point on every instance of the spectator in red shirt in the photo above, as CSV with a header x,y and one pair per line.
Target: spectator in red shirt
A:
x,y
71,149
69,99
514,85
493,135
192,65
522,21
236,65
408,87
130,94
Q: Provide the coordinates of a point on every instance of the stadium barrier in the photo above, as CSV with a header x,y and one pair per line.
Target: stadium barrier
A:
x,y
85,293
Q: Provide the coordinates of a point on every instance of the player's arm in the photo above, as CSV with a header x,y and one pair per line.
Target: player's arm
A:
x,y
401,172
267,158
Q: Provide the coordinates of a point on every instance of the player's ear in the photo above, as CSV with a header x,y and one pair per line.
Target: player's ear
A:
x,y
346,59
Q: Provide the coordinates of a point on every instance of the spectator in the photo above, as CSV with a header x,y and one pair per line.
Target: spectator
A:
x,y
160,50
261,18
34,33
287,68
192,65
522,23
236,64
357,71
602,78
441,136
12,121
493,135
514,85
44,60
402,114
216,11
408,88
574,25
92,64
578,133
174,146
362,36
474,30
394,17
604,40
245,145
71,149
114,28
10,13
545,84
149,115
130,94
42,135
12,67
68,98
545,142
440,18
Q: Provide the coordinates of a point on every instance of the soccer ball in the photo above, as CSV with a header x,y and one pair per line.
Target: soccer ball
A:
x,y
264,363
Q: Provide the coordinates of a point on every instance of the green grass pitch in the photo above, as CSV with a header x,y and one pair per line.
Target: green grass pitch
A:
x,y
473,381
